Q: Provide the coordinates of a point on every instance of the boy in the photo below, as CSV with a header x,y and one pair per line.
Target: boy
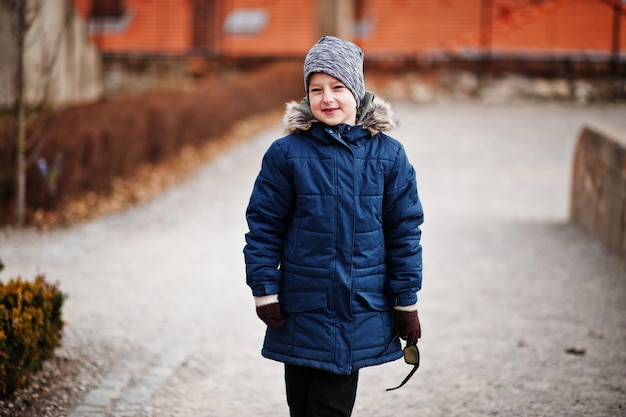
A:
x,y
333,253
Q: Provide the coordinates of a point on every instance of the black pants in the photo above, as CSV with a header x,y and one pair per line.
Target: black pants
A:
x,y
316,393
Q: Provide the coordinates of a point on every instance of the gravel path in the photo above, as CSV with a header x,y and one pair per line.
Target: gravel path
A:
x,y
157,294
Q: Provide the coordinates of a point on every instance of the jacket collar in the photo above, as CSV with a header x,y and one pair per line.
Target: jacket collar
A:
x,y
374,114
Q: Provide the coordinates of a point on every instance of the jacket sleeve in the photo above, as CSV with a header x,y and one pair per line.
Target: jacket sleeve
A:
x,y
402,218
268,214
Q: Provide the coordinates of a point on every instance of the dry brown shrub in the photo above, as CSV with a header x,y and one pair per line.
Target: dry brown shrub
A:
x,y
104,143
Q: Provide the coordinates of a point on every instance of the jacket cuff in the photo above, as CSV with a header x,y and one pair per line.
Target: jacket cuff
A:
x,y
265,299
405,299
412,307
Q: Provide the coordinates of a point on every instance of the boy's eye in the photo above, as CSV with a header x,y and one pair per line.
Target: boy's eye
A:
x,y
339,87
315,89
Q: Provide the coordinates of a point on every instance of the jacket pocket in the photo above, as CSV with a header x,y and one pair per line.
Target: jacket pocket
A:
x,y
372,320
307,332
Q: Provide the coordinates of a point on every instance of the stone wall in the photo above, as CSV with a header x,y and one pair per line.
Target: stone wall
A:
x,y
598,201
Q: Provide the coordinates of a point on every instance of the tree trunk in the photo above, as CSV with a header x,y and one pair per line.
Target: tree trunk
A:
x,y
20,109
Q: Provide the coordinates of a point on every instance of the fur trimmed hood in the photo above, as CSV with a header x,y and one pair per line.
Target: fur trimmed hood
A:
x,y
374,114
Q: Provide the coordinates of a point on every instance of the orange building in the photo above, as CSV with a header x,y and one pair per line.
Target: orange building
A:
x,y
592,29
210,27
501,26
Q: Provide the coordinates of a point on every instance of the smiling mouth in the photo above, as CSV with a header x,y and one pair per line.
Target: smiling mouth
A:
x,y
330,111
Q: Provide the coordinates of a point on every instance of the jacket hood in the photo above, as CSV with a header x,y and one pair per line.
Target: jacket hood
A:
x,y
374,114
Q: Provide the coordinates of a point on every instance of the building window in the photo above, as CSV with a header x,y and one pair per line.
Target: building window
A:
x,y
108,16
363,21
246,22
107,8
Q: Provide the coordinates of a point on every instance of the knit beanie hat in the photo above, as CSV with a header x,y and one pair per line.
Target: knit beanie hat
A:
x,y
340,59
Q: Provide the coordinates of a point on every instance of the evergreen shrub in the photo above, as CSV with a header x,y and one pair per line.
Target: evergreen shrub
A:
x,y
30,329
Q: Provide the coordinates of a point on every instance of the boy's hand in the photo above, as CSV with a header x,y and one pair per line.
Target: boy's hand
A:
x,y
270,314
407,323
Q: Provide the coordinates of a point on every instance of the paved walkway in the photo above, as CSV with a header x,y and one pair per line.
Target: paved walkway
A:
x,y
159,291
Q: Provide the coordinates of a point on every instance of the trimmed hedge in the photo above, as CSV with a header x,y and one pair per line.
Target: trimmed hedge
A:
x,y
30,329
99,142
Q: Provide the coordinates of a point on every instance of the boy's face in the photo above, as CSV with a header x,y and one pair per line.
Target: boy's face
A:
x,y
331,101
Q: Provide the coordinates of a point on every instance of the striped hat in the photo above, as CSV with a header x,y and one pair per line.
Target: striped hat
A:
x,y
340,59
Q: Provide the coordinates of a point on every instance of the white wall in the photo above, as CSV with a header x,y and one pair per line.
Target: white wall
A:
x,y
57,39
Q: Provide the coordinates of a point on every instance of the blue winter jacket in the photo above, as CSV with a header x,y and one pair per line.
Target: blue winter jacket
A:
x,y
334,229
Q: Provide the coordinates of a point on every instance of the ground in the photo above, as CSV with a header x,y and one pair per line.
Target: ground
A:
x,y
522,313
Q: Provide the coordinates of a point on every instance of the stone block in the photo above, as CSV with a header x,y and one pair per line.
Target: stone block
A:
x,y
598,198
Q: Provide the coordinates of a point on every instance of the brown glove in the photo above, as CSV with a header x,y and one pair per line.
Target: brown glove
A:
x,y
270,314
407,323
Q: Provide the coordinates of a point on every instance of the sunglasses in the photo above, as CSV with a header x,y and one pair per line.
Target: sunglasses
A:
x,y
411,357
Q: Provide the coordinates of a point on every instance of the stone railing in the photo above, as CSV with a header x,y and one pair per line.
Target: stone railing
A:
x,y
598,200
